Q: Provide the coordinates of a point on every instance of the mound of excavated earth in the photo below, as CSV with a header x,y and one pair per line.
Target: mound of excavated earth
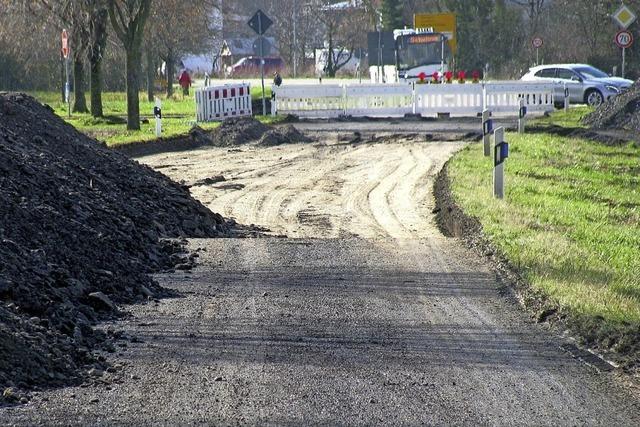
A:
x,y
81,228
245,130
621,112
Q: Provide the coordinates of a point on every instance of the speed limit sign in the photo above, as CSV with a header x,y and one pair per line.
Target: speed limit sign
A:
x,y
624,39
537,42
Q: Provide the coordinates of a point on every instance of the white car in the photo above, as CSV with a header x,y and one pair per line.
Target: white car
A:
x,y
586,84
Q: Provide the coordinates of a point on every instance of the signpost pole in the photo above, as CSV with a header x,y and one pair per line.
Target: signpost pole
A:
x,y
624,50
537,56
67,86
264,101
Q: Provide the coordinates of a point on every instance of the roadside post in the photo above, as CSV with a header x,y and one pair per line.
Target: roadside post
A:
x,y
624,39
566,98
487,128
157,113
537,43
522,113
67,84
260,23
500,154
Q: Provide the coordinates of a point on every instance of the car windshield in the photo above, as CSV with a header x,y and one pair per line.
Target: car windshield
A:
x,y
591,72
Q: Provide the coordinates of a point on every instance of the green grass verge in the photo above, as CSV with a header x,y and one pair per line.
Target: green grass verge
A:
x,y
570,221
178,116
569,119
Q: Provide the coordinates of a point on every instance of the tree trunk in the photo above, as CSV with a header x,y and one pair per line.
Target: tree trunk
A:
x,y
171,65
151,74
98,26
79,102
96,88
331,72
133,89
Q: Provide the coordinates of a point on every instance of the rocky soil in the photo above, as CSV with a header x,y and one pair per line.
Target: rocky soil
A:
x,y
81,228
621,112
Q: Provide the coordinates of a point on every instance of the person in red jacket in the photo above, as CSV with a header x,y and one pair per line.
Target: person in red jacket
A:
x,y
185,82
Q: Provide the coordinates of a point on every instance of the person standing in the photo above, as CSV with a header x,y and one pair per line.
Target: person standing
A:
x,y
185,82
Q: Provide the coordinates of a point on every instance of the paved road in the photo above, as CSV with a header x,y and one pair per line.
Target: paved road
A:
x,y
367,315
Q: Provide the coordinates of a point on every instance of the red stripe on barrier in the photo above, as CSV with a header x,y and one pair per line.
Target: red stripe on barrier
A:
x,y
217,94
233,92
241,91
224,93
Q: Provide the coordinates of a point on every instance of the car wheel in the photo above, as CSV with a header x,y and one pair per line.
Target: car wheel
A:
x,y
593,98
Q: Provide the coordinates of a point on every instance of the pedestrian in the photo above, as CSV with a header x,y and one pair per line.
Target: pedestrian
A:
x,y
277,79
185,82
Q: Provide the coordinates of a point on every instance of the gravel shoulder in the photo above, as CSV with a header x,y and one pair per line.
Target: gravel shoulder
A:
x,y
365,315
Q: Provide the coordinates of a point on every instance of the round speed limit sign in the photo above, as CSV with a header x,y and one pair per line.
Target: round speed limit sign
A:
x,y
537,42
624,39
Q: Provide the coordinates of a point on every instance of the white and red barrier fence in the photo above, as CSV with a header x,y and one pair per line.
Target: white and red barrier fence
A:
x,y
222,102
397,100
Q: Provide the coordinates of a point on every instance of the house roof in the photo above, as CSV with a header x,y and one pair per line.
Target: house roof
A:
x,y
244,47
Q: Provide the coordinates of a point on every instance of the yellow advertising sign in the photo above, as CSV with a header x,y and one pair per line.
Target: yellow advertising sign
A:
x,y
440,22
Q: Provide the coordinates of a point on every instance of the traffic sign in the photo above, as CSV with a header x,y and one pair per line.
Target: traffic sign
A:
x,y
260,22
624,17
624,39
65,44
537,42
261,46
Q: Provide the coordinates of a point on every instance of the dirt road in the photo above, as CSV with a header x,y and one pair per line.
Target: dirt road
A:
x,y
365,315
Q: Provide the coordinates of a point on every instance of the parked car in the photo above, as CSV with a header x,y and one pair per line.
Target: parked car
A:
x,y
250,66
586,84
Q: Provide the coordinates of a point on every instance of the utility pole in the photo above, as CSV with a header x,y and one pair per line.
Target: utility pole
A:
x,y
295,38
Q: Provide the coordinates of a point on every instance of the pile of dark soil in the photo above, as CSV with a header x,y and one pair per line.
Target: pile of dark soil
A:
x,y
242,130
246,130
621,112
283,135
81,228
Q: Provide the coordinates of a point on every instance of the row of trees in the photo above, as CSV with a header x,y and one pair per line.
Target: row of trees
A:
x,y
499,32
124,37
167,28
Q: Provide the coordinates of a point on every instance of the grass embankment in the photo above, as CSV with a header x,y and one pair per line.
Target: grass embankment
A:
x,y
570,221
178,116
569,119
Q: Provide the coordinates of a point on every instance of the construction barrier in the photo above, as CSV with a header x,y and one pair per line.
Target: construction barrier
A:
x,y
393,100
504,97
221,102
310,101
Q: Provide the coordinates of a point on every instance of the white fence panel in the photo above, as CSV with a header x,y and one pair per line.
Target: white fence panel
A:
x,y
504,97
393,100
221,102
454,99
311,101
374,100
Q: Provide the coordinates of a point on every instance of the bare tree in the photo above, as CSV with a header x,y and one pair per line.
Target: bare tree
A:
x,y
343,32
128,18
184,30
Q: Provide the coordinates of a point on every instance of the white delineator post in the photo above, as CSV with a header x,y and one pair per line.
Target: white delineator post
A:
x,y
522,112
487,128
500,154
566,98
157,113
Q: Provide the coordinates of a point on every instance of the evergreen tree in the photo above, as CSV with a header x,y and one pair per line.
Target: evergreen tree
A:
x,y
392,15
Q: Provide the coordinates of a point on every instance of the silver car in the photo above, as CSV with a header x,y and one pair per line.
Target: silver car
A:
x,y
586,84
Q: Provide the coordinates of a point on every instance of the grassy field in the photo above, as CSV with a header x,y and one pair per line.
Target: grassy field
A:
x,y
178,116
570,221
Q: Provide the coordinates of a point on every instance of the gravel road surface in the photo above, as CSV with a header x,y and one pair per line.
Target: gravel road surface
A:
x,y
365,315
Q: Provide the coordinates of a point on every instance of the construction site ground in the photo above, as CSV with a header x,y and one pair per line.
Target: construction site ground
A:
x,y
354,310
